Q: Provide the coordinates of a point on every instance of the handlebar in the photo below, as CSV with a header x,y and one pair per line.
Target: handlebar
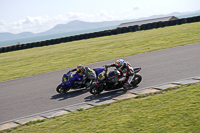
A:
x,y
106,69
69,72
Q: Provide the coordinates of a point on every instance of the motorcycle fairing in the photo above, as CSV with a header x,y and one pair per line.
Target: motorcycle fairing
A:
x,y
137,69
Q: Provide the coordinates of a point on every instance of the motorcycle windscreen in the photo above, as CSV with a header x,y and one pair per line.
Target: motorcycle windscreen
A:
x,y
98,70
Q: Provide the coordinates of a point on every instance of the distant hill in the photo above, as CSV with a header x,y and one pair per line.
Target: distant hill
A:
x,y
62,28
82,26
79,26
9,36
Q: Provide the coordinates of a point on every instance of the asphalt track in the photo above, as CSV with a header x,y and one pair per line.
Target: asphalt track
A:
x,y
36,94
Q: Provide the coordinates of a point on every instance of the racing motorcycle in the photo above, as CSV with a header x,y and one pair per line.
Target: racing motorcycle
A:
x,y
72,80
109,81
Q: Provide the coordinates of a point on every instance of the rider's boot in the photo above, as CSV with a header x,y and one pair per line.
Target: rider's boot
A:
x,y
126,86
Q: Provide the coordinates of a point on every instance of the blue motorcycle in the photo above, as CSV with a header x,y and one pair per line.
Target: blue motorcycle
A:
x,y
74,81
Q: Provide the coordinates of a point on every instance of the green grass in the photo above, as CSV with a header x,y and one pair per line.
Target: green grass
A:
x,y
38,60
171,111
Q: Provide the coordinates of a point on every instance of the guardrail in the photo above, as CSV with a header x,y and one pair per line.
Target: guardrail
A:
x,y
101,33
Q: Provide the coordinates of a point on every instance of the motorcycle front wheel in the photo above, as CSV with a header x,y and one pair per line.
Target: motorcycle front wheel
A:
x,y
61,89
136,80
95,90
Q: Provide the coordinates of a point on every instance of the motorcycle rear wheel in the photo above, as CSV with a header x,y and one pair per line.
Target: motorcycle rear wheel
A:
x,y
62,90
95,90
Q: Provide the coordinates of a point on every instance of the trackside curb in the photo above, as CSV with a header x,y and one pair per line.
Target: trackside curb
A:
x,y
85,105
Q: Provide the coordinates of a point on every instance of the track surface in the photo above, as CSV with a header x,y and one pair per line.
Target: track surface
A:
x,y
35,94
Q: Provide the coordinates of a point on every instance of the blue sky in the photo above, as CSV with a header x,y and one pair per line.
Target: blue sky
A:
x,y
39,15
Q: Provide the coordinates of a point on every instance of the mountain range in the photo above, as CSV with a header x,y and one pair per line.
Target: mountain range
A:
x,y
82,26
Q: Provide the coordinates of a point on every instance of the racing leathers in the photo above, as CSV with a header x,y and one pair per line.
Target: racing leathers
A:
x,y
89,76
127,73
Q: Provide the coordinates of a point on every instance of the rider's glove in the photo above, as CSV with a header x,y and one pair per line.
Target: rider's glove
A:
x,y
106,66
84,77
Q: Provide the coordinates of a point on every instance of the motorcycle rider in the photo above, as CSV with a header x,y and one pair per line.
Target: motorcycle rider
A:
x,y
126,69
89,75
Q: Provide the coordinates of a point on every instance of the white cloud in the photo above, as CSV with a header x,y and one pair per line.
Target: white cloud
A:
x,y
126,10
105,16
41,24
74,15
137,7
32,24
2,22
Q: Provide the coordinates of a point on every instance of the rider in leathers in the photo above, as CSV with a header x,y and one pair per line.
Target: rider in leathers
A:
x,y
126,69
89,75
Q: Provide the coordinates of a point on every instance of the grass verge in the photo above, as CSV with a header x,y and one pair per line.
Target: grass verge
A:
x,y
38,60
172,110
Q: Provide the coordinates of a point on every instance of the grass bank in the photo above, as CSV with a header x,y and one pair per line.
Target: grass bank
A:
x,y
172,110
33,61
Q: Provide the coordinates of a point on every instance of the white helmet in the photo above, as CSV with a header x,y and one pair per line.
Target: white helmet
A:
x,y
119,63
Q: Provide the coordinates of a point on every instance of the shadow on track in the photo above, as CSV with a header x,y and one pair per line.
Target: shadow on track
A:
x,y
107,95
69,94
